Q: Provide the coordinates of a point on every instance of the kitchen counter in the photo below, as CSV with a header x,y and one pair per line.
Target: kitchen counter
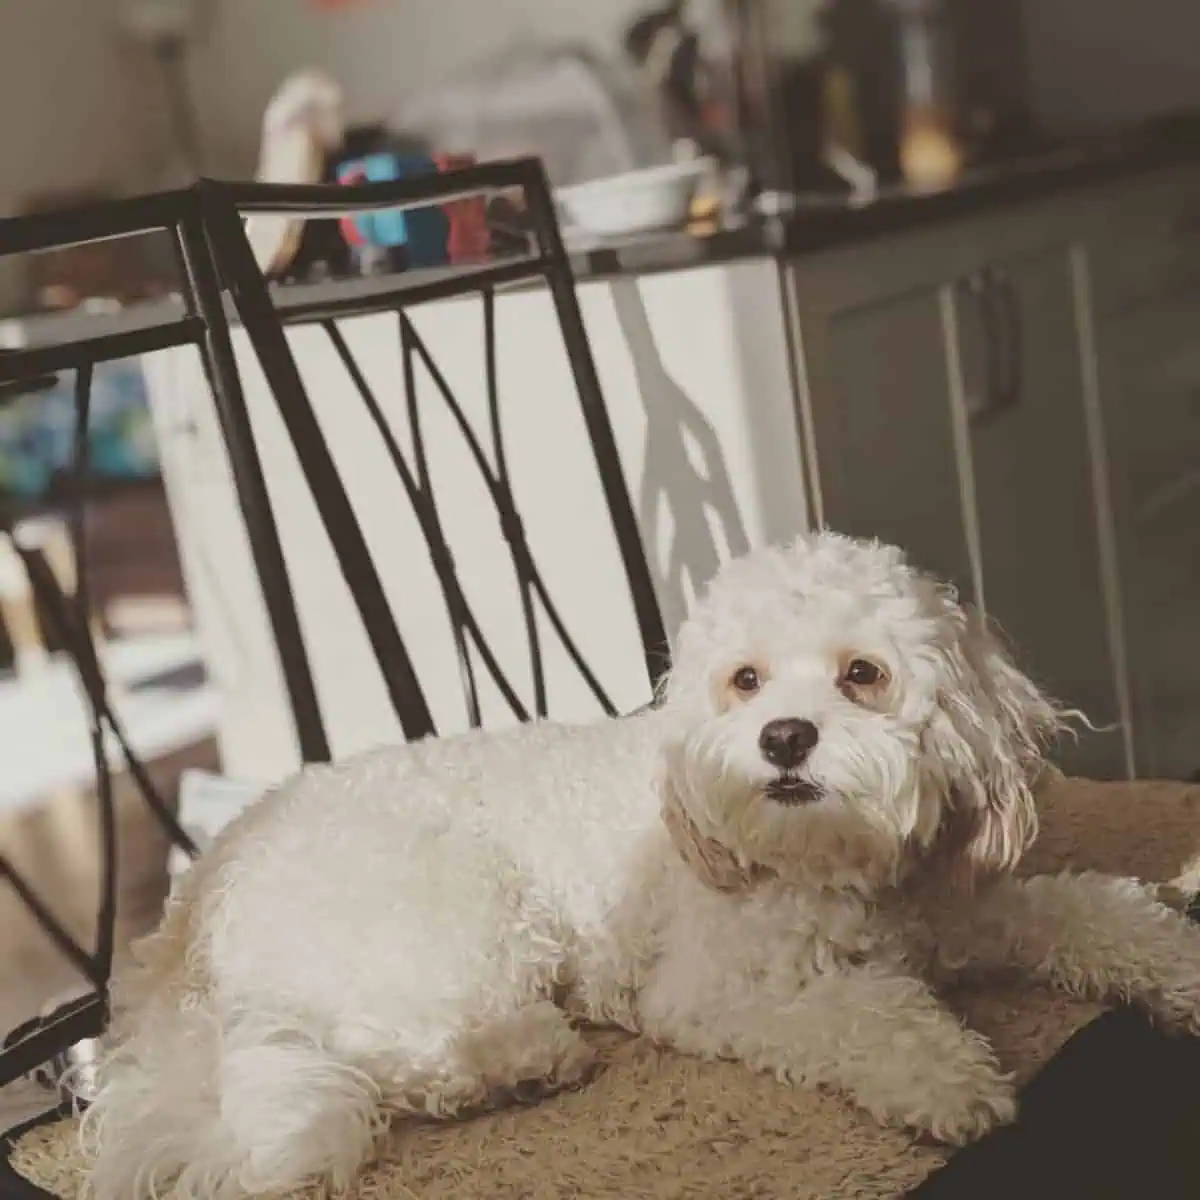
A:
x,y
815,224
823,223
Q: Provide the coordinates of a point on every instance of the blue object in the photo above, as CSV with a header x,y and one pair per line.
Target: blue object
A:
x,y
37,432
385,228
422,232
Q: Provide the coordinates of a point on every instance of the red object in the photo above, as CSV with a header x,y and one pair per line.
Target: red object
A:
x,y
350,176
469,239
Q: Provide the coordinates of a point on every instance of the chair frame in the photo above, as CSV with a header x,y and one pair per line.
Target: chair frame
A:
x,y
263,318
221,281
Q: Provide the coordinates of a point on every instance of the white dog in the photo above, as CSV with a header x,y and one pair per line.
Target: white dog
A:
x,y
819,823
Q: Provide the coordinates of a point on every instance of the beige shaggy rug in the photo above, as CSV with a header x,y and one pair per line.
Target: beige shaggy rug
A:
x,y
656,1124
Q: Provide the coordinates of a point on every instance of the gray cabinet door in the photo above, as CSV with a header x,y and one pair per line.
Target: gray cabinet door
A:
x,y
1148,354
879,391
1034,494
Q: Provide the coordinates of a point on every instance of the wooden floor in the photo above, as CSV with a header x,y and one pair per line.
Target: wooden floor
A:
x,y
55,847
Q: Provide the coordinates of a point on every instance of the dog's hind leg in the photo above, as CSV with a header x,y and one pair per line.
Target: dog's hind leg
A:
x,y
528,1052
215,1108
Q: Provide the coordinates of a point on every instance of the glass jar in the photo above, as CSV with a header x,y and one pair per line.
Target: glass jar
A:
x,y
930,152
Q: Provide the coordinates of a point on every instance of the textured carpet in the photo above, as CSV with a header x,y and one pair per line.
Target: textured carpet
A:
x,y
656,1124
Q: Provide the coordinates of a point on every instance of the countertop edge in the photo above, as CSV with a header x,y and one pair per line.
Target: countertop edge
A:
x,y
810,229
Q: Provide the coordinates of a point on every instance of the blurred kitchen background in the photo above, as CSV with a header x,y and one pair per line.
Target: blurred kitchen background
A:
x,y
87,71
934,275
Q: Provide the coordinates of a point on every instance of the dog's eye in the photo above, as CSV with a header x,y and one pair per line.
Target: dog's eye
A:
x,y
862,673
746,680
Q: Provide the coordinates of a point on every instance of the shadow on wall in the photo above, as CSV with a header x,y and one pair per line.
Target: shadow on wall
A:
x,y
687,506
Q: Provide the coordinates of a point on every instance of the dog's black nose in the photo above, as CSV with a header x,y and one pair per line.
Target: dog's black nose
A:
x,y
787,742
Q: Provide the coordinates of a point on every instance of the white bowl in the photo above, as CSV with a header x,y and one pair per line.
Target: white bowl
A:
x,y
636,201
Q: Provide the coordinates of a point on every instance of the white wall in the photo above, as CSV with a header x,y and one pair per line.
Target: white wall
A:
x,y
68,102
67,112
380,50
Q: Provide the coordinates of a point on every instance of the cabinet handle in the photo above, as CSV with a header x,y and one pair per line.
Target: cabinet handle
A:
x,y
1000,318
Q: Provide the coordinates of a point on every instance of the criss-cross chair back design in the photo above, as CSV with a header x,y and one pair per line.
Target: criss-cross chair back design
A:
x,y
424,385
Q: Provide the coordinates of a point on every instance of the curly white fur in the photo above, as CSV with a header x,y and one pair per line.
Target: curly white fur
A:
x,y
418,929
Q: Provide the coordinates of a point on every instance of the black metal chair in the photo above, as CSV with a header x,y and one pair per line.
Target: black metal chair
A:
x,y
264,317
206,225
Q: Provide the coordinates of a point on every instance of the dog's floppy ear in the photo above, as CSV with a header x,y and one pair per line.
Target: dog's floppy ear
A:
x,y
986,746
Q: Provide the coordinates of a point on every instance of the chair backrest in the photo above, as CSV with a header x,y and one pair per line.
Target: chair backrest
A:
x,y
317,360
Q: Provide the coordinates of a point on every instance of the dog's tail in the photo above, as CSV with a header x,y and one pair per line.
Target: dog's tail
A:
x,y
204,1106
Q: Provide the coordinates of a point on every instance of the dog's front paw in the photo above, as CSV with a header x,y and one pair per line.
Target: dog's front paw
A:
x,y
960,1111
963,1117
1176,1005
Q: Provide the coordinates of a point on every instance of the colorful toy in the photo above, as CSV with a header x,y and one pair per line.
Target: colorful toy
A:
x,y
455,232
351,174
421,233
469,238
